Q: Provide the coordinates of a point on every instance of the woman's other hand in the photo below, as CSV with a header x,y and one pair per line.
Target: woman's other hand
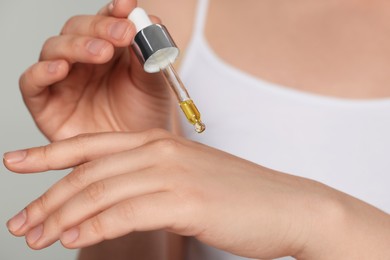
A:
x,y
153,180
88,80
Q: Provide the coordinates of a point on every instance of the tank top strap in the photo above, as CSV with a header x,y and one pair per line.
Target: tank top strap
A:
x,y
198,40
200,18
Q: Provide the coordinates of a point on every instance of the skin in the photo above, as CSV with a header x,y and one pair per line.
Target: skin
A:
x,y
73,89
295,216
333,48
88,72
173,184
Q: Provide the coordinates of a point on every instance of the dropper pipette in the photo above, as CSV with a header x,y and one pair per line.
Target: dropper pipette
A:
x,y
157,51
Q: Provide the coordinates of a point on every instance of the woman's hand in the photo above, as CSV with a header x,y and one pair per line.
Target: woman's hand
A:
x,y
88,80
125,182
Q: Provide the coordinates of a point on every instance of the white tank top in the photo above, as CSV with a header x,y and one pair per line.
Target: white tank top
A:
x,y
340,142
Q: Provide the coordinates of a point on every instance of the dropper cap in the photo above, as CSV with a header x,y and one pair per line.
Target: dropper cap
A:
x,y
153,44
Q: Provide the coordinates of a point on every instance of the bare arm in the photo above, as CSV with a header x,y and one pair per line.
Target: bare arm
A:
x,y
164,182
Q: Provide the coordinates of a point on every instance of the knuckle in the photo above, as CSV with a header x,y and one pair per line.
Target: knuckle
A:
x,y
168,146
127,211
97,226
70,24
95,191
78,178
47,45
95,26
40,206
30,76
80,142
57,219
45,153
156,133
75,44
25,78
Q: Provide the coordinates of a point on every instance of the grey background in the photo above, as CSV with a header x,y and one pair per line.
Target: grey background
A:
x,y
24,26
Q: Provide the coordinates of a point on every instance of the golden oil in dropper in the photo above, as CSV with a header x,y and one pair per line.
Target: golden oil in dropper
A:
x,y
187,105
192,114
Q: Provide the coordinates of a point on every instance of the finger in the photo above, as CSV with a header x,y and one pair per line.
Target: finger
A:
x,y
35,80
77,150
107,9
154,19
119,32
94,173
59,193
118,8
74,49
150,212
96,198
122,9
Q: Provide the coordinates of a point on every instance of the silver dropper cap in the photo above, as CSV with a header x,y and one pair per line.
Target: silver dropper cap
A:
x,y
152,44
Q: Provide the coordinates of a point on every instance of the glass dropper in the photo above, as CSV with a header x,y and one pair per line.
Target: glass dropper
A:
x,y
157,52
186,104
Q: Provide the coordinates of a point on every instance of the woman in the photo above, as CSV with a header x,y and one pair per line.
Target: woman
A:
x,y
87,81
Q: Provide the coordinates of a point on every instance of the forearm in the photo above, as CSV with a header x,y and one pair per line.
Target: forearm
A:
x,y
349,229
156,245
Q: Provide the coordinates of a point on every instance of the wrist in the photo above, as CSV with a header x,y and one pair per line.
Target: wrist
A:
x,y
344,227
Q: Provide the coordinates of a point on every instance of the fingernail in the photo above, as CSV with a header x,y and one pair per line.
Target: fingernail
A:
x,y
15,156
118,30
70,236
53,66
34,234
111,6
16,222
95,47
